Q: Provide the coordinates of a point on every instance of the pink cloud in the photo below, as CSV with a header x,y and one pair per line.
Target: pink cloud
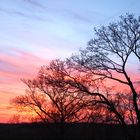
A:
x,y
15,66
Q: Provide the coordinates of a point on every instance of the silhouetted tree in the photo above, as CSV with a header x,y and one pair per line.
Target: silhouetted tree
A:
x,y
50,98
100,112
63,90
84,84
107,57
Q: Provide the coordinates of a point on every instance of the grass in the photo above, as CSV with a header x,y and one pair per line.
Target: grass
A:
x,y
71,131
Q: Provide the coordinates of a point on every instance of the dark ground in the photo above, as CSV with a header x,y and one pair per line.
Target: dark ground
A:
x,y
78,131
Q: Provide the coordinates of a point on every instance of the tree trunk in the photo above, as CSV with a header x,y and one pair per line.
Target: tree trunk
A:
x,y
135,104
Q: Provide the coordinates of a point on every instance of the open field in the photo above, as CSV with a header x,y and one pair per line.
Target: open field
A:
x,y
78,131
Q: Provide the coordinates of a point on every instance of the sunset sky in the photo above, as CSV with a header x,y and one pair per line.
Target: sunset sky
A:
x,y
32,32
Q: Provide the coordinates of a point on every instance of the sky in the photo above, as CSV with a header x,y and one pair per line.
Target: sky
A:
x,y
33,32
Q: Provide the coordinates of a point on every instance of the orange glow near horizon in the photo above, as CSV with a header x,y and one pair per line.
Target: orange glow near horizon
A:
x,y
13,86
24,66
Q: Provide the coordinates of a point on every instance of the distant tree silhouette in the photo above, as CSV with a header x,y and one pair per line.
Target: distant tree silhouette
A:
x,y
50,98
100,112
107,55
104,102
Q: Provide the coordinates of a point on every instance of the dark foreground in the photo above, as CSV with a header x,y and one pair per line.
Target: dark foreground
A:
x,y
80,131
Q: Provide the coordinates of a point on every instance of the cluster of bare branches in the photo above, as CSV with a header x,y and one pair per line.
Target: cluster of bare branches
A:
x,y
76,89
51,98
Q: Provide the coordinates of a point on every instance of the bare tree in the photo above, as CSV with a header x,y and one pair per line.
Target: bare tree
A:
x,y
108,54
50,98
79,83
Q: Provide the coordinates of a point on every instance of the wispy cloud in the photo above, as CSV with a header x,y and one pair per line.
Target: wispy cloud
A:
x,y
36,4
20,61
23,14
78,16
19,64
